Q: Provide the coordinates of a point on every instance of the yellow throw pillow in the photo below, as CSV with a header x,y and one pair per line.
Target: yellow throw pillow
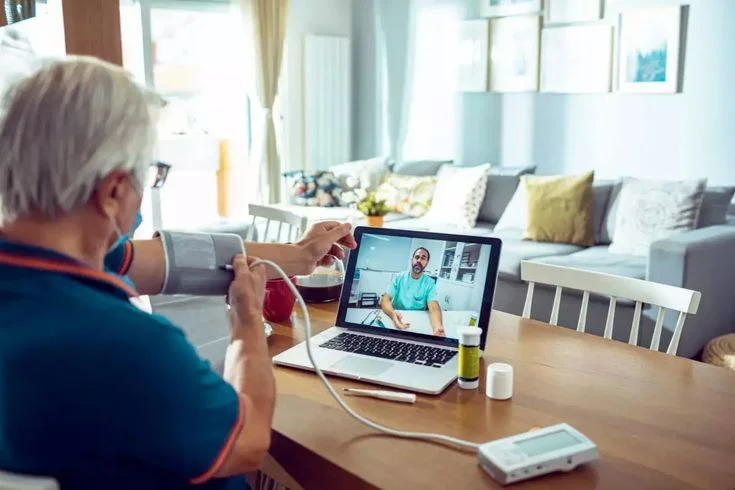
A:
x,y
560,209
407,194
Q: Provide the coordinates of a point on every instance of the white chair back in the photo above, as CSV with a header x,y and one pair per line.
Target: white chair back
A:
x,y
15,481
665,296
295,224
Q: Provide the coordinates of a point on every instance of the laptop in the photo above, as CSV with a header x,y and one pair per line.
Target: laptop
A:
x,y
404,298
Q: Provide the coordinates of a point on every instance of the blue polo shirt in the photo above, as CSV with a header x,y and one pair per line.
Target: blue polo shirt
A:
x,y
97,393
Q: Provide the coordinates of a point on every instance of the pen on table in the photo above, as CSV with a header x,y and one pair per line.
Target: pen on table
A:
x,y
394,396
227,267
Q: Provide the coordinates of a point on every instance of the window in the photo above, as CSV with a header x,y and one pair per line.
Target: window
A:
x,y
193,53
434,105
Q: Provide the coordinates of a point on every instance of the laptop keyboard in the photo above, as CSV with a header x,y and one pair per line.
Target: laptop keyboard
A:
x,y
394,350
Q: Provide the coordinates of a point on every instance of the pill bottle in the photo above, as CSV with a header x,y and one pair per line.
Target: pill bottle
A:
x,y
468,366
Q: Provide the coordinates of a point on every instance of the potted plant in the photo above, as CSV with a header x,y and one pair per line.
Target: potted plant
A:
x,y
374,209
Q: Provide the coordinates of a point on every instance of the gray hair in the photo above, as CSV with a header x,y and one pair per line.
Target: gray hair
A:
x,y
66,127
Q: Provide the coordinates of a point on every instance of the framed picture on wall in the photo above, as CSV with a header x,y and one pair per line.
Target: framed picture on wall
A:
x,y
514,53
649,50
473,55
570,11
501,8
577,59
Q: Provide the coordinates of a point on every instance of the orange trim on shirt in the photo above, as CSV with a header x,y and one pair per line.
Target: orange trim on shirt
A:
x,y
63,268
127,259
229,443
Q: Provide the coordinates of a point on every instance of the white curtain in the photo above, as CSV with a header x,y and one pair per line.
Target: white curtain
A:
x,y
434,104
266,26
394,20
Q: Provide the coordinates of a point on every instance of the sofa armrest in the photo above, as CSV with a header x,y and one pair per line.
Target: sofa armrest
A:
x,y
702,260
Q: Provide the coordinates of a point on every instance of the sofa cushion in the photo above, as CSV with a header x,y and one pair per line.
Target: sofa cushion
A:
x,y
481,228
560,208
515,249
715,205
714,209
501,185
601,192
407,194
419,168
367,173
458,195
599,259
515,215
649,210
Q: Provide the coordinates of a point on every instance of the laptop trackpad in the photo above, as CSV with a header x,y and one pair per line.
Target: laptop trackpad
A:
x,y
362,366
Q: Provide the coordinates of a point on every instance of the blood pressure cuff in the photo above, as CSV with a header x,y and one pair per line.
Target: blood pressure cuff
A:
x,y
195,262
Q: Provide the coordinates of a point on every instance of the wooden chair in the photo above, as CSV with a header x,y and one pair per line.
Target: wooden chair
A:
x,y
295,224
664,296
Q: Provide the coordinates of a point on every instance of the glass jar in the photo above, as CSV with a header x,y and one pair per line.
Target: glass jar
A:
x,y
324,284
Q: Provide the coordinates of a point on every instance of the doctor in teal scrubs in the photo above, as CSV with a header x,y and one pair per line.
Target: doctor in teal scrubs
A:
x,y
413,290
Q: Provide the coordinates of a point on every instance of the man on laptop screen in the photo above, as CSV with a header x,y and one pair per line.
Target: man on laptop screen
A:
x,y
415,291
420,285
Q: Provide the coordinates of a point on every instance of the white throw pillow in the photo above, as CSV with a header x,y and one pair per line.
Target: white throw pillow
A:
x,y
369,173
515,216
649,210
458,195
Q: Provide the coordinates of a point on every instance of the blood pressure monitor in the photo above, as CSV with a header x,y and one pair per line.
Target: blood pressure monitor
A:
x,y
555,448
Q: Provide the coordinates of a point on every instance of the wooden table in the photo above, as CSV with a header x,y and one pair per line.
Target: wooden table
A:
x,y
660,421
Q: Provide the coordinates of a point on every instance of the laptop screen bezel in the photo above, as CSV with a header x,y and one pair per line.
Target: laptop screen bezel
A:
x,y
487,296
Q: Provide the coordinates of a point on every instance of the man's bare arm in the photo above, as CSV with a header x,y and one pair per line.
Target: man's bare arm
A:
x,y
324,239
149,266
435,316
386,304
248,368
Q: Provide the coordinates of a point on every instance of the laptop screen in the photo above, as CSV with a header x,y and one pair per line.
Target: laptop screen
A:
x,y
419,283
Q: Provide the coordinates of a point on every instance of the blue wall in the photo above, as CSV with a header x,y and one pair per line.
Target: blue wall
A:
x,y
685,135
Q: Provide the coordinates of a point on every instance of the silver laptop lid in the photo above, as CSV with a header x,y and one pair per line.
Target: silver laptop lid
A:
x,y
419,285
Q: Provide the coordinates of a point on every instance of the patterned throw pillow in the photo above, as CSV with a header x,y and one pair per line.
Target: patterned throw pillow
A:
x,y
459,194
319,188
649,210
406,194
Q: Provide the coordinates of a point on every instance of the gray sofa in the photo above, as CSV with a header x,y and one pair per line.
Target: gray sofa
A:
x,y
700,259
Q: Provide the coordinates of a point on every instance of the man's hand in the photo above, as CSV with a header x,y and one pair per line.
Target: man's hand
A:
x,y
322,241
439,331
399,323
247,290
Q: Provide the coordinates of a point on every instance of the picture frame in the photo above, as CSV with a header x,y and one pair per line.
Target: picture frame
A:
x,y
577,59
649,49
515,43
572,11
502,8
472,63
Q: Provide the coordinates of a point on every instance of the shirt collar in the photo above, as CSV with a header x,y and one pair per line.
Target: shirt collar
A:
x,y
16,254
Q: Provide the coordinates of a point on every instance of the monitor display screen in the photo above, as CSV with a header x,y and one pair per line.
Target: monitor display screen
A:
x,y
553,441
418,285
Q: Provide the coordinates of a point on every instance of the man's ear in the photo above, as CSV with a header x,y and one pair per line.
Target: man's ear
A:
x,y
109,194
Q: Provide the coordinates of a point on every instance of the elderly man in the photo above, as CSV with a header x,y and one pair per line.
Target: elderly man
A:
x,y
95,392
